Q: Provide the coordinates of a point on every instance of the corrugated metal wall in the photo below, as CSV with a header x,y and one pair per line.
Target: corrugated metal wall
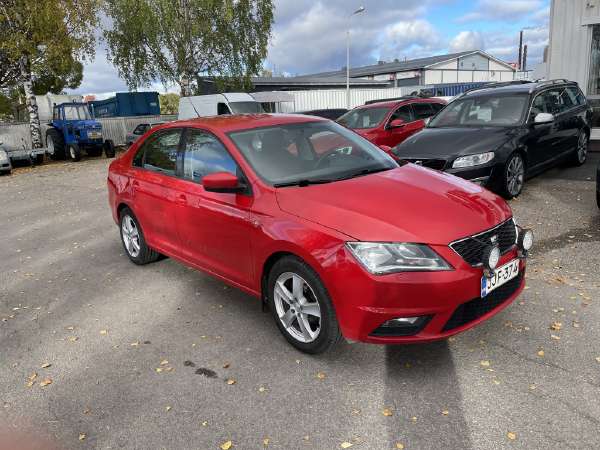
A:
x,y
16,136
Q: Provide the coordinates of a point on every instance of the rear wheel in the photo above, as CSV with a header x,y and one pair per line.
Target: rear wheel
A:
x,y
514,176
74,152
133,240
301,306
109,148
55,144
580,155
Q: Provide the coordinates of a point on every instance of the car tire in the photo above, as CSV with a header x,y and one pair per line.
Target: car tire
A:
x,y
301,306
38,160
513,176
598,199
133,240
74,152
55,144
109,148
579,156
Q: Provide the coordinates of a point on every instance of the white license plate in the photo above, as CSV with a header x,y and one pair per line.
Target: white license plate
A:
x,y
501,276
95,135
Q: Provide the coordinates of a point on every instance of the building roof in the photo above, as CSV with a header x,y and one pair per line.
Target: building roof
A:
x,y
402,66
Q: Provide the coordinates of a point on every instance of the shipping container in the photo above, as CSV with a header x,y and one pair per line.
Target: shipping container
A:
x,y
127,104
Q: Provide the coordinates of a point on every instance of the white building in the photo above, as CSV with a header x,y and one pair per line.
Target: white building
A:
x,y
574,51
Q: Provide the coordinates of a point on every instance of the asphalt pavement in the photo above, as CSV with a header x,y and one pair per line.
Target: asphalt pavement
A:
x,y
165,357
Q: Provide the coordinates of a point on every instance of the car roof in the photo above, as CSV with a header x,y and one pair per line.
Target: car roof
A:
x,y
517,87
398,102
236,122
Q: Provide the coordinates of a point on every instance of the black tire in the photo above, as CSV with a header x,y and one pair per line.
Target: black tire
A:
x,y
74,152
509,187
39,159
579,156
329,333
109,148
94,151
145,254
56,141
598,199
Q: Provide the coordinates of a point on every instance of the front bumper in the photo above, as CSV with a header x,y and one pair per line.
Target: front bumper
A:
x,y
451,299
487,175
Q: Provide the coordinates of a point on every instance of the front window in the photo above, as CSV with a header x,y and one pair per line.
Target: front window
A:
x,y
246,108
77,112
204,154
312,152
363,118
507,110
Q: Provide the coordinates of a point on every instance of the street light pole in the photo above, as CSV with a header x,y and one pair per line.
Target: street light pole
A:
x,y
358,11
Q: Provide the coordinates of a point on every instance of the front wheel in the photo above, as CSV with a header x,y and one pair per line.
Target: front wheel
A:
x,y
109,148
513,177
74,152
133,240
301,306
580,155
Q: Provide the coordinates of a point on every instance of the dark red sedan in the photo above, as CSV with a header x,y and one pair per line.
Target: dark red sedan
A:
x,y
389,123
334,235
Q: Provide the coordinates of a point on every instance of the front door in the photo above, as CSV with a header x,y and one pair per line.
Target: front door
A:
x,y
214,228
392,136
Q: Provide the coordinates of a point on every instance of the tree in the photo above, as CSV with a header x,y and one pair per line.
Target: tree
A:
x,y
45,38
169,103
174,41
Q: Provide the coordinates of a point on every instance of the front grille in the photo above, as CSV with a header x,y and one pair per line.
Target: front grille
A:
x,y
474,309
436,164
471,248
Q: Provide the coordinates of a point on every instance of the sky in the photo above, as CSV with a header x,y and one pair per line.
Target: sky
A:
x,y
309,36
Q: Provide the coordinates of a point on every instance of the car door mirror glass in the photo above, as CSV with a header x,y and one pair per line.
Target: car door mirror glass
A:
x,y
542,118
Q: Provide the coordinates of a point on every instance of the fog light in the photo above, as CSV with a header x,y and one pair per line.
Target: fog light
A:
x,y
400,321
491,256
525,241
401,326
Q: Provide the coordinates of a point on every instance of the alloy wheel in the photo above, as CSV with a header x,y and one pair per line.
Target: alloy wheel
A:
x,y
50,145
582,148
297,307
131,236
515,175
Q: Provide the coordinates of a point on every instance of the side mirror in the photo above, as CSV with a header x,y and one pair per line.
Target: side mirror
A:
x,y
542,118
396,123
386,148
223,182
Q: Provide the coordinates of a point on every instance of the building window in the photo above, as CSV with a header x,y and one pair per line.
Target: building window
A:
x,y
594,81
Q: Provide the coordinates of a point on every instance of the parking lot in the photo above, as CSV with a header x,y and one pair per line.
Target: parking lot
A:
x,y
165,357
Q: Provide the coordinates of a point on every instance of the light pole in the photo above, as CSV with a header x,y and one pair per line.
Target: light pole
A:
x,y
358,11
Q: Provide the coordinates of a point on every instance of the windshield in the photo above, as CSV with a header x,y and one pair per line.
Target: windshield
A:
x,y
363,118
245,107
79,112
482,111
310,152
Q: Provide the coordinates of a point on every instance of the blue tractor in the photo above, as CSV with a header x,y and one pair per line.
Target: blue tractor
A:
x,y
73,130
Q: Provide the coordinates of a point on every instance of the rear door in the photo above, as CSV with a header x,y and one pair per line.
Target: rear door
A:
x,y
154,187
214,228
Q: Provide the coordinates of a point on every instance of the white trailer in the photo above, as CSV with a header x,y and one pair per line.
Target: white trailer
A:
x,y
217,104
46,104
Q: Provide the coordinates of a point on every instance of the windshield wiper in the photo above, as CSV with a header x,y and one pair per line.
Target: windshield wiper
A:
x,y
302,183
363,172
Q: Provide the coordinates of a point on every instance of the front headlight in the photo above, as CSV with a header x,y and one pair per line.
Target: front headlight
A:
x,y
381,258
3,156
473,160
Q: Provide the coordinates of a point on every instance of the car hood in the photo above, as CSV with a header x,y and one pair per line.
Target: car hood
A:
x,y
406,204
445,142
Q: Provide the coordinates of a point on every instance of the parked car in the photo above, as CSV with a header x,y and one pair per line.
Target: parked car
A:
x,y
5,164
329,231
498,136
332,114
138,131
388,123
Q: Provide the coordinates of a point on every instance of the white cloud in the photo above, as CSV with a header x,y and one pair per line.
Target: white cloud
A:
x,y
466,40
502,10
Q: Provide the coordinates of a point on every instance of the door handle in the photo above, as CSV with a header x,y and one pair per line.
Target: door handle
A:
x,y
181,199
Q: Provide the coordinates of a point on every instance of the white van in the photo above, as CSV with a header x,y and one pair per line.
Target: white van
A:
x,y
217,104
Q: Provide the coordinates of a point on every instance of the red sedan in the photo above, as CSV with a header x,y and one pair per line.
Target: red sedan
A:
x,y
330,232
389,123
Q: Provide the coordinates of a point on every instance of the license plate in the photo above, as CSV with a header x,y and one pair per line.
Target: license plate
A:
x,y
501,276
95,135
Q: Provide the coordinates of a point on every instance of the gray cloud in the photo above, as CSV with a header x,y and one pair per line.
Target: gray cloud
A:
x,y
502,10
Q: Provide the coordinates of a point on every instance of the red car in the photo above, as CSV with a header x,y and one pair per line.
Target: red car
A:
x,y
331,233
386,124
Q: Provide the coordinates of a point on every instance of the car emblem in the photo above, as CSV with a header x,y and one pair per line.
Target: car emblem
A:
x,y
494,239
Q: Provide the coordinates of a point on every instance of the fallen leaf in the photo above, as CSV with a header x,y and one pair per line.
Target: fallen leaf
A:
x,y
32,377
445,412
556,326
168,408
387,412
541,353
82,436
231,381
413,419
226,445
205,423
485,363
164,362
45,382
555,337
158,369
598,359
103,331
226,365
262,389
72,338
321,375
399,445
512,436
70,328
532,387
346,445
46,365
266,441
135,344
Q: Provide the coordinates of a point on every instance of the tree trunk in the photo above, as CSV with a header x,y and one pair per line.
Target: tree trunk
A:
x,y
32,109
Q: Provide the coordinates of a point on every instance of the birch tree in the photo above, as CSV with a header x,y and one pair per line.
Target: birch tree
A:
x,y
175,41
44,35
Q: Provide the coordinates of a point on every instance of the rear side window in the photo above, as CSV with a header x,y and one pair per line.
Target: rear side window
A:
x,y
160,152
437,107
423,110
205,154
577,98
222,109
